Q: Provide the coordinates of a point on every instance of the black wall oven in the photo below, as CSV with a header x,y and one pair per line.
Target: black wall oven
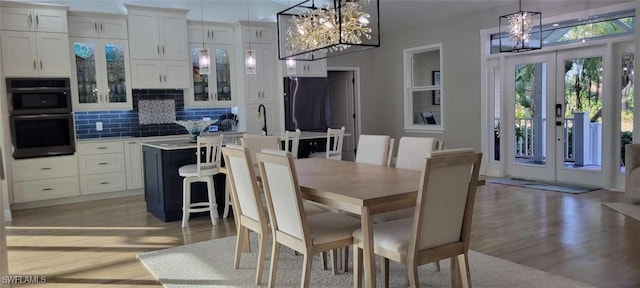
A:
x,y
40,117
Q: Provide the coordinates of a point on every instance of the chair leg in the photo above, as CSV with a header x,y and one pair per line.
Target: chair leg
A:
x,y
466,280
345,259
323,257
275,253
227,201
239,242
262,250
186,201
306,270
334,261
211,190
458,272
357,267
385,272
412,274
437,263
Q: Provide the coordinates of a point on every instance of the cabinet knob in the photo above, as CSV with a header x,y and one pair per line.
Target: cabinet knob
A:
x,y
104,183
47,189
100,27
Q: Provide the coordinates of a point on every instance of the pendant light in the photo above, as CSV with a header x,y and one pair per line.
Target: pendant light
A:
x,y
204,60
523,31
249,53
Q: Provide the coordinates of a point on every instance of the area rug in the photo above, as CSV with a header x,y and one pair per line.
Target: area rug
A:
x,y
573,189
631,209
210,264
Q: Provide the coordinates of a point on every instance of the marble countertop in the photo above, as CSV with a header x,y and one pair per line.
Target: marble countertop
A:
x,y
184,143
310,135
154,138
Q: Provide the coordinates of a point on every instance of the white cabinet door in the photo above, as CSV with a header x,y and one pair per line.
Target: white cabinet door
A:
x,y
254,123
112,28
81,26
133,164
147,74
258,34
17,19
266,67
53,54
144,35
51,20
19,54
173,37
176,74
210,34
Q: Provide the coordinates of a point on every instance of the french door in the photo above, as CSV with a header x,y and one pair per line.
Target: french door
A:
x,y
555,108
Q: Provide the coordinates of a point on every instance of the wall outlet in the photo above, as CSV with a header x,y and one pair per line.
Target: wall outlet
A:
x,y
206,118
98,126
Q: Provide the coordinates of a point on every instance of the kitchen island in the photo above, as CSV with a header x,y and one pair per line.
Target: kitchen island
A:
x,y
163,185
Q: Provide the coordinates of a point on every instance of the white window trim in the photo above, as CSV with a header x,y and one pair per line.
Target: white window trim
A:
x,y
407,56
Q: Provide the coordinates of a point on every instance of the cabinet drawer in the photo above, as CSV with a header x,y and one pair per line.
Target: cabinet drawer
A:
x,y
36,190
44,168
105,163
102,183
99,148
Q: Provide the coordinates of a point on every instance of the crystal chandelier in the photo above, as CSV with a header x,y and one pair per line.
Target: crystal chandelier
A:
x,y
317,29
524,30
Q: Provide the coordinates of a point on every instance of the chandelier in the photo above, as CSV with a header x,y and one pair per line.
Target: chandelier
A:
x,y
317,29
524,31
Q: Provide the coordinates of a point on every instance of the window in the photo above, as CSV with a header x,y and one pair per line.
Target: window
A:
x,y
424,97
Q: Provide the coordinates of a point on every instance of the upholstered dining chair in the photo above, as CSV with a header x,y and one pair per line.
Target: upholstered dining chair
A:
x,y
207,164
290,227
373,149
632,171
333,151
255,143
441,225
294,138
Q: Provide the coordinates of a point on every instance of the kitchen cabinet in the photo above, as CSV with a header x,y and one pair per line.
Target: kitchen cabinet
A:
x,y
258,34
261,86
210,34
88,25
34,19
133,164
44,178
255,121
152,74
216,88
102,167
101,74
28,54
317,68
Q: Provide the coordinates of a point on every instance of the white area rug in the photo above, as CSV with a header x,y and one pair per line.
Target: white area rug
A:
x,y
210,264
627,208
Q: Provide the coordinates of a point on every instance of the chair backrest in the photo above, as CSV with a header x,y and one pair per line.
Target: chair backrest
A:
x,y
245,194
209,149
294,137
280,182
334,148
413,150
373,149
255,143
445,201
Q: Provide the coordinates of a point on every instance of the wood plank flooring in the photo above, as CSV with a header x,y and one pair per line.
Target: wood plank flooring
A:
x,y
95,243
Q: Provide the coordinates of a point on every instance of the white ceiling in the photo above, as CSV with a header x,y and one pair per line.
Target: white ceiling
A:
x,y
394,14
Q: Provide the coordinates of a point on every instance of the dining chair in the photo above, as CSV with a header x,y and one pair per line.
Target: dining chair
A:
x,y
255,143
333,149
308,235
208,151
412,150
441,225
373,149
294,138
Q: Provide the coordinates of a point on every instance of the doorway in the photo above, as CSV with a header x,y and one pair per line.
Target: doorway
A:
x,y
343,93
556,102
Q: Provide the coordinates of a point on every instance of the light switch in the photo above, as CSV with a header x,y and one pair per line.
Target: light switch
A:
x,y
98,126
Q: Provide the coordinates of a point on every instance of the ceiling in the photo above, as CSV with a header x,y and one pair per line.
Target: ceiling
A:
x,y
394,14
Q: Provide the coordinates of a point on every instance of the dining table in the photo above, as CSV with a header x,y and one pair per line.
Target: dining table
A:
x,y
361,189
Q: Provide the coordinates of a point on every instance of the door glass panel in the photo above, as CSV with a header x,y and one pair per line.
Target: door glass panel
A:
x,y
116,80
424,112
583,100
85,57
530,115
200,81
626,102
424,64
223,75
496,113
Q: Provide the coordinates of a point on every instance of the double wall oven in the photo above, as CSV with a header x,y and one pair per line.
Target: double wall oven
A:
x,y
40,117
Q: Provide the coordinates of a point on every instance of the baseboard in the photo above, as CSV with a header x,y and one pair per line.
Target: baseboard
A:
x,y
76,199
7,215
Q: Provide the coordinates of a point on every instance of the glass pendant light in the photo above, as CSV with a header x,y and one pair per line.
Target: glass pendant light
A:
x,y
249,54
204,60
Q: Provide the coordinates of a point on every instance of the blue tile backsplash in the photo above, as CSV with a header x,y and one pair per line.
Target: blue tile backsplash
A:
x,y
126,123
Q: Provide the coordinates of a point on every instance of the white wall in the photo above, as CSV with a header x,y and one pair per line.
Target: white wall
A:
x,y
460,36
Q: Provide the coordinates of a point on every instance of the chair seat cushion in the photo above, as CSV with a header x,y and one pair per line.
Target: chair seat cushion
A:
x,y
392,235
331,226
191,170
406,213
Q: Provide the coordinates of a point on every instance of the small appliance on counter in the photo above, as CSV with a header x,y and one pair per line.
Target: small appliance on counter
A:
x,y
40,117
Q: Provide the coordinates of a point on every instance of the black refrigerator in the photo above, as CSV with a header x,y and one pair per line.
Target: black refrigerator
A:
x,y
307,103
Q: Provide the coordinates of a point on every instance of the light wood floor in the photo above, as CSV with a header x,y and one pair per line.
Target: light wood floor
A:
x,y
91,244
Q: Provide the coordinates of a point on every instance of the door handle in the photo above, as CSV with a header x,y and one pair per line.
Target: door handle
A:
x,y
558,110
208,34
158,49
100,27
34,65
30,19
41,64
162,49
160,77
165,78
37,20
95,26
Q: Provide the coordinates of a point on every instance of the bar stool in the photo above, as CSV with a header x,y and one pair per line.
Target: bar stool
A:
x,y
208,164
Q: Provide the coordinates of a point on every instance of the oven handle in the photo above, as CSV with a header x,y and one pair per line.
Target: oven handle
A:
x,y
41,116
40,89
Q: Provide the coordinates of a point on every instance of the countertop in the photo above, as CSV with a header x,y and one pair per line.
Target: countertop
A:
x,y
155,138
184,143
304,135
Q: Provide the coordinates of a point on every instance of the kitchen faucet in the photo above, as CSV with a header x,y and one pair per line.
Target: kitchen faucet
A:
x,y
264,117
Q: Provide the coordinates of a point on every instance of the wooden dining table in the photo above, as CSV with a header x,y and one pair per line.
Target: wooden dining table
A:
x,y
361,189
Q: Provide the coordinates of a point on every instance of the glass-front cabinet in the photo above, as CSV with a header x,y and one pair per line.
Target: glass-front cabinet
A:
x,y
101,74
211,89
